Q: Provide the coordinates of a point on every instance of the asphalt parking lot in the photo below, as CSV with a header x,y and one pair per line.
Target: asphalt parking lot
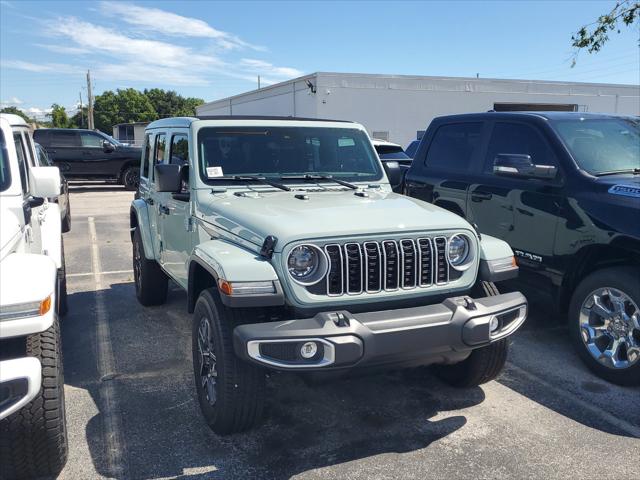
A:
x,y
132,411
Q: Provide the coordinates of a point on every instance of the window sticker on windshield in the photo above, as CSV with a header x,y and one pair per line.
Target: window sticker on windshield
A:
x,y
213,172
625,190
346,142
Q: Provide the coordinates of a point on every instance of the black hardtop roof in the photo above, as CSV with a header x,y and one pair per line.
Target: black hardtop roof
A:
x,y
525,115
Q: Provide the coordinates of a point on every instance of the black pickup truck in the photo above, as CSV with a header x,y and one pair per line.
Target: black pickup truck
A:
x,y
563,189
91,155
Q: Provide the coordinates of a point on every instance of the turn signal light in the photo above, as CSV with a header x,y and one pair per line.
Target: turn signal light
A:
x,y
45,305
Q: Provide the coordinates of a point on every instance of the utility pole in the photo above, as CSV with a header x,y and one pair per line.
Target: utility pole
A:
x,y
90,124
81,112
258,82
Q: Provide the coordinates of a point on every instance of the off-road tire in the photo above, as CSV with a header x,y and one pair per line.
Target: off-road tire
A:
x,y
151,282
62,307
33,440
626,279
240,386
485,363
130,178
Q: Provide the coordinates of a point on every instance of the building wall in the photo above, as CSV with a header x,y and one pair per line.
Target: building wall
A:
x,y
403,105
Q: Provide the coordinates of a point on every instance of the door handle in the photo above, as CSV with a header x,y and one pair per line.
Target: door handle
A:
x,y
480,196
164,209
149,201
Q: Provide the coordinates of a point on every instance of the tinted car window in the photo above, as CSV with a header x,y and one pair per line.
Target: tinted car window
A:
x,y
145,156
91,140
161,144
518,138
43,158
64,139
5,173
179,153
453,146
43,137
22,161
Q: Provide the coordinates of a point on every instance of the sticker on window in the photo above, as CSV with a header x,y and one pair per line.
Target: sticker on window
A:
x,y
346,142
213,172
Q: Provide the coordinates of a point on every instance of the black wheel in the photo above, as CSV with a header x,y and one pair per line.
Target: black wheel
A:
x,y
33,440
131,178
66,221
230,391
151,282
61,287
485,363
604,321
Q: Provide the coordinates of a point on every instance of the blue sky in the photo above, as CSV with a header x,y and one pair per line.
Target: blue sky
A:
x,y
216,49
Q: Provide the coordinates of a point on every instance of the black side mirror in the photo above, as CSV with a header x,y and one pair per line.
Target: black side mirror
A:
x,y
521,166
107,146
168,178
394,172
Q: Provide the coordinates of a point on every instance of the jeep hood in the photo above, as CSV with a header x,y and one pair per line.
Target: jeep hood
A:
x,y
327,214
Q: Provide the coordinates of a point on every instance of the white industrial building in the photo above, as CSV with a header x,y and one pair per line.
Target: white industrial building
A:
x,y
399,107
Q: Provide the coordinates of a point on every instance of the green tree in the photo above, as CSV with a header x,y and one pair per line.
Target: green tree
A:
x,y
595,35
59,118
16,111
123,106
79,119
169,103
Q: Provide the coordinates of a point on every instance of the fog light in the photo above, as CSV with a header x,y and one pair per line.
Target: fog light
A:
x,y
308,349
494,324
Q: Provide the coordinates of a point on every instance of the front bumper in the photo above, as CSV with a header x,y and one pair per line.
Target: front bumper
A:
x,y
20,381
441,333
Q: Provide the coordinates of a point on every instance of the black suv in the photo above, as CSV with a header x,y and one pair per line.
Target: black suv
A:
x,y
563,189
89,155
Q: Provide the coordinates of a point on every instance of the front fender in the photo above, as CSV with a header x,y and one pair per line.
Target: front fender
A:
x,y
233,263
497,262
139,219
27,279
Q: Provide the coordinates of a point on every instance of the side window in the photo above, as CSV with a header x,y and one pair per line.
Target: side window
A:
x,y
145,156
91,140
161,145
28,144
61,138
518,138
453,146
42,136
22,162
179,153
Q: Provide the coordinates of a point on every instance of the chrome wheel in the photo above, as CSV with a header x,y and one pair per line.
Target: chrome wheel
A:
x,y
208,372
610,327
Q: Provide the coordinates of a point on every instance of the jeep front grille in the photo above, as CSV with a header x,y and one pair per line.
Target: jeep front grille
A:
x,y
388,265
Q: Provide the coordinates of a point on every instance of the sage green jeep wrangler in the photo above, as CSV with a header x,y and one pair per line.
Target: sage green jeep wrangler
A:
x,y
296,256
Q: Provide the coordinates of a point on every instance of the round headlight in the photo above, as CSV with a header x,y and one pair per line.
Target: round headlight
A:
x,y
305,264
458,250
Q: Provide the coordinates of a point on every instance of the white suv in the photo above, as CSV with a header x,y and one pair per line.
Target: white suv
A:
x,y
33,436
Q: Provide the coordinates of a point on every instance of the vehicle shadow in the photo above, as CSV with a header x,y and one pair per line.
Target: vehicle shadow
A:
x,y
545,367
306,426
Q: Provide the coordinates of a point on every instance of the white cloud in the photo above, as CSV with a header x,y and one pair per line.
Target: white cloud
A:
x,y
11,102
169,23
260,66
100,39
40,67
62,49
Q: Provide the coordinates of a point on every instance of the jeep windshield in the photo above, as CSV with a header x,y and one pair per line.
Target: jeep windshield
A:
x,y
602,146
301,153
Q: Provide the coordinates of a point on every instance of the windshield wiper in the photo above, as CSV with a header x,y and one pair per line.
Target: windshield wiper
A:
x,y
307,176
635,171
260,180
